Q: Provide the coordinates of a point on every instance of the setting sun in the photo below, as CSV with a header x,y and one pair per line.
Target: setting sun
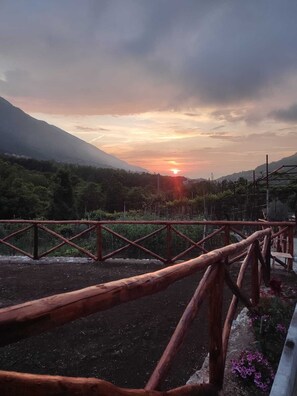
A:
x,y
175,171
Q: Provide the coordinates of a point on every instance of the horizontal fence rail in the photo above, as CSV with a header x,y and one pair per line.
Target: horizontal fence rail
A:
x,y
35,385
34,317
165,241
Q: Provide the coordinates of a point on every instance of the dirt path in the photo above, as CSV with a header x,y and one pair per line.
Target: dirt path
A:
x,y
121,345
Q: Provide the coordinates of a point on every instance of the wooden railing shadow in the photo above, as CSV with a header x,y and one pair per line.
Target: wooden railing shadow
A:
x,y
34,317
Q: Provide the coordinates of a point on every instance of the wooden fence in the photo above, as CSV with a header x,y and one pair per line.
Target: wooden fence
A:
x,y
32,318
101,240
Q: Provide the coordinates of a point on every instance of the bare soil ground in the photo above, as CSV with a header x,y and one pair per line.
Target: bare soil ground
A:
x,y
121,345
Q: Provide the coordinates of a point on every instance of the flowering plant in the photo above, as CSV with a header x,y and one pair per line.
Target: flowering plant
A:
x,y
270,323
254,369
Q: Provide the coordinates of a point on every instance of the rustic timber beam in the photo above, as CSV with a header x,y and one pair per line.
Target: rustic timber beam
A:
x,y
181,329
68,242
136,241
280,262
280,232
238,232
132,244
255,274
291,248
21,384
17,232
197,244
16,248
232,308
215,313
64,242
266,254
237,258
236,290
242,255
165,222
31,318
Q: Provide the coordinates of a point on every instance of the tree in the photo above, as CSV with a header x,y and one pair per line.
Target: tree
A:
x,y
90,198
115,196
62,203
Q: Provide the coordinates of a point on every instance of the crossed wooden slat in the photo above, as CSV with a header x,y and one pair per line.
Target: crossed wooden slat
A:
x,y
13,247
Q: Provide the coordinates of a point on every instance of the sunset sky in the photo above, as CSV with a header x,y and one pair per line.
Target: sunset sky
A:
x,y
201,86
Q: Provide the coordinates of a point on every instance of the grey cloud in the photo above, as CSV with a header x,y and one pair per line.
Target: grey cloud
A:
x,y
231,138
229,115
116,57
242,138
250,47
285,129
293,134
89,129
216,133
264,135
218,127
188,131
192,114
17,82
287,115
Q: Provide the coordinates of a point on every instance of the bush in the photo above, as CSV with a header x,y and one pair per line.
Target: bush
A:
x,y
269,322
270,325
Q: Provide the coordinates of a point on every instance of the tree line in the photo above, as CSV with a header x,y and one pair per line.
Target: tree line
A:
x,y
33,189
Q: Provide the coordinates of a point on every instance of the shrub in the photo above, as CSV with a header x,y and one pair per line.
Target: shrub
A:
x,y
270,325
269,322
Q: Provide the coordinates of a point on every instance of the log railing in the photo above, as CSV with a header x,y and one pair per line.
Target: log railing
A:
x,y
34,317
95,239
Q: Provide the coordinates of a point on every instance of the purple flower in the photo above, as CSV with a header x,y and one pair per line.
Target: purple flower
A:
x,y
281,328
253,368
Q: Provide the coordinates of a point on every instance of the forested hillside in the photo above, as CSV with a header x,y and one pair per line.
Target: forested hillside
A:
x,y
261,169
23,135
47,190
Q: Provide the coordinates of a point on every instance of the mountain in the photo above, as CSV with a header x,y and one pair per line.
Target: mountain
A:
x,y
261,169
23,135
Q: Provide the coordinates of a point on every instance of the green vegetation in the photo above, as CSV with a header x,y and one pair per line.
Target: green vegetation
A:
x,y
256,366
88,240
33,189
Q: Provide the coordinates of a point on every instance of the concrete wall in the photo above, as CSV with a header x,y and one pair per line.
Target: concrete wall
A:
x,y
285,382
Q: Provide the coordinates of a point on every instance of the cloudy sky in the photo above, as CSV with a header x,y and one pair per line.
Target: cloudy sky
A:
x,y
203,86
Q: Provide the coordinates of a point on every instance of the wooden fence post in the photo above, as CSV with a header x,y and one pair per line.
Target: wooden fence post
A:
x,y
216,357
265,252
268,261
35,241
278,242
99,242
291,246
169,244
227,235
255,274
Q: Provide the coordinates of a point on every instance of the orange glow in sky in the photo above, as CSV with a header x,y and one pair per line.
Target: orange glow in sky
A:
x,y
194,120
175,171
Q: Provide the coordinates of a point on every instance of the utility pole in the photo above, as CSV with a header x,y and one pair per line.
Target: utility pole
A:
x,y
267,188
254,196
